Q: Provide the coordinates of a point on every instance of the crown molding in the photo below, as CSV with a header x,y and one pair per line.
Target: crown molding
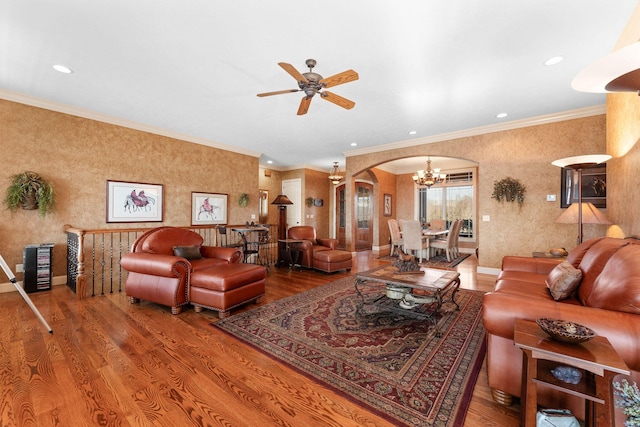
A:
x,y
86,114
297,167
465,133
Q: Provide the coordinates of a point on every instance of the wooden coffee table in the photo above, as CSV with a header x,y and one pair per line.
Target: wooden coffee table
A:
x,y
598,361
434,284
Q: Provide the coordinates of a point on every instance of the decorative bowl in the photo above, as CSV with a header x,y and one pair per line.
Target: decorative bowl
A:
x,y
565,331
558,252
396,292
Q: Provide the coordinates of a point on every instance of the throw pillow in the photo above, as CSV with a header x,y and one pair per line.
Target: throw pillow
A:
x,y
563,280
188,252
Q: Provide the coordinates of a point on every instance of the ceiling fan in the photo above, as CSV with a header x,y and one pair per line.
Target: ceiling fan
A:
x,y
311,83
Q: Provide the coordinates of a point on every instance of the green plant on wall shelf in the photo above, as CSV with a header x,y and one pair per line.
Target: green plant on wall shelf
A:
x,y
243,200
29,191
509,190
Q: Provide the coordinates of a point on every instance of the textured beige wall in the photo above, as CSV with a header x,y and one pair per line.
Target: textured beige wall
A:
x,y
78,156
623,179
623,133
525,154
316,186
386,184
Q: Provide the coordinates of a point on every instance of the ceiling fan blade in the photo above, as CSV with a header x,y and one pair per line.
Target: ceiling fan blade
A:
x,y
279,92
338,100
340,78
293,72
304,105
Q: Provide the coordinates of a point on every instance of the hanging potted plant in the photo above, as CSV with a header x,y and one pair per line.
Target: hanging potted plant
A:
x,y
29,191
509,190
243,200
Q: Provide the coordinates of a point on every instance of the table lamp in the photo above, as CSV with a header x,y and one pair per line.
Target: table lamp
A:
x,y
579,163
590,215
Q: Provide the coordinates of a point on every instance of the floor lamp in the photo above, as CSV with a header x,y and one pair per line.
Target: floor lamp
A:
x,y
580,163
281,201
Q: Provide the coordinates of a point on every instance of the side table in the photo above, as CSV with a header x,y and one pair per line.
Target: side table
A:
x,y
290,253
596,358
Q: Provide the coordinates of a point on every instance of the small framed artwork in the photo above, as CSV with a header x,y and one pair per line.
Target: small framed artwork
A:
x,y
594,186
208,208
387,205
318,202
134,202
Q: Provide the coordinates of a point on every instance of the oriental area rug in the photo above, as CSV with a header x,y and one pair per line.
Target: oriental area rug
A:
x,y
393,364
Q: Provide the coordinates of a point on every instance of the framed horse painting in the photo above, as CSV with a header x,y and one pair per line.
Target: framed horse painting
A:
x,y
134,202
208,208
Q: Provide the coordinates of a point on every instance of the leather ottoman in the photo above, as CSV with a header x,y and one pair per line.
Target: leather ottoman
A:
x,y
227,286
330,261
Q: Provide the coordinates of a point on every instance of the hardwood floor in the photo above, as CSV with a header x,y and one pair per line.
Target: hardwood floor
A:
x,y
112,363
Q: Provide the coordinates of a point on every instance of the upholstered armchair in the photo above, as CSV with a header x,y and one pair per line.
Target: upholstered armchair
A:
x,y
162,260
311,243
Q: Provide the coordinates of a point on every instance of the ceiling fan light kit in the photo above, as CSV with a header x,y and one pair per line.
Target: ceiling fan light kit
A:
x,y
312,83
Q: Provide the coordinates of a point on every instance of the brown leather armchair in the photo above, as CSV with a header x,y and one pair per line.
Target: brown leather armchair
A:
x,y
162,260
311,243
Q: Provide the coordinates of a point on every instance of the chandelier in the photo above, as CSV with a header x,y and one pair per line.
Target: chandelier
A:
x,y
429,177
335,176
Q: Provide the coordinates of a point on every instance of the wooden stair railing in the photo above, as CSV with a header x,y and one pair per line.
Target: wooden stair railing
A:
x,y
93,255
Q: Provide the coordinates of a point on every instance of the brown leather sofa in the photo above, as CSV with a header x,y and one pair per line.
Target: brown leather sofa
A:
x,y
319,253
163,260
607,300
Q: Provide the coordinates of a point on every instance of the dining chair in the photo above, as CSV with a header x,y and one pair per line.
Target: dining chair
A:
x,y
456,236
413,239
254,246
396,236
223,238
448,244
437,224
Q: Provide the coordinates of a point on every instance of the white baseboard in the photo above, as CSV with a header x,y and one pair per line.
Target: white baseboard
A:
x,y
487,270
9,287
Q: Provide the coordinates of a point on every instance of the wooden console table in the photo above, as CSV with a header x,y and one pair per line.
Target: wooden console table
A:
x,y
596,359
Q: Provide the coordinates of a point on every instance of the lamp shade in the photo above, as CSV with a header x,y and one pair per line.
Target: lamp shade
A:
x,y
281,200
581,162
616,72
590,215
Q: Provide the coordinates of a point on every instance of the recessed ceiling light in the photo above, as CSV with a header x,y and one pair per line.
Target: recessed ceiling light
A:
x,y
501,115
62,69
354,144
554,60
412,132
269,161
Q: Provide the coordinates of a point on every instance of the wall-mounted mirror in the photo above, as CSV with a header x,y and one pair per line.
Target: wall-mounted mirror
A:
x,y
263,212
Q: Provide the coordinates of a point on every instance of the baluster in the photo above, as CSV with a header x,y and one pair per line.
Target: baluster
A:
x,y
93,265
102,264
